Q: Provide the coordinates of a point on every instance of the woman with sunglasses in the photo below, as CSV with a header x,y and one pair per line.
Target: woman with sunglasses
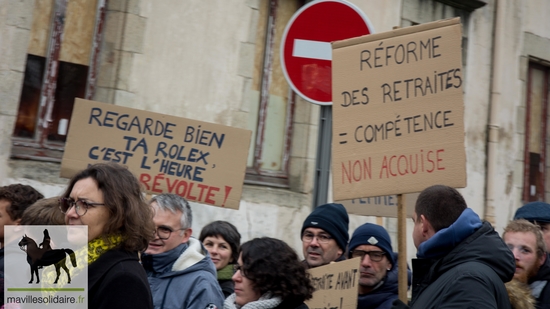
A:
x,y
107,198
269,275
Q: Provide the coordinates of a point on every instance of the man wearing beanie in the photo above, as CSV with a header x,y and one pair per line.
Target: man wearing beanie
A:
x,y
378,271
461,261
325,235
538,213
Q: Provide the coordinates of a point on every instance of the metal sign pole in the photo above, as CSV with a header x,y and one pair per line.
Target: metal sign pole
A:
x,y
322,163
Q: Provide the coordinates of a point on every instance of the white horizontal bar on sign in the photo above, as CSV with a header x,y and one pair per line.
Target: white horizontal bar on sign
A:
x,y
312,49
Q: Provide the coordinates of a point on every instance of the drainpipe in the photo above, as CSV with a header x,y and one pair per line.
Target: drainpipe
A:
x,y
494,125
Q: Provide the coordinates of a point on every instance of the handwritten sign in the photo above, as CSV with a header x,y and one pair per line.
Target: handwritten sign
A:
x,y
398,111
200,161
336,285
380,206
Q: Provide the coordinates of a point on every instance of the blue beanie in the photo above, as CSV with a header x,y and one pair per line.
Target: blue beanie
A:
x,y
534,211
375,235
333,219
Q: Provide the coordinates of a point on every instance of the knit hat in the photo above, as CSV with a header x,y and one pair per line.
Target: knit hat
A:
x,y
375,235
333,219
534,211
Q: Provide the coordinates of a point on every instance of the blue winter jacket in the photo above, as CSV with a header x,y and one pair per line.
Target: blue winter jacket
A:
x,y
183,277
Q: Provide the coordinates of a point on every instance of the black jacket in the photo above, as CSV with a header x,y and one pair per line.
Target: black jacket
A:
x,y
542,276
227,286
471,275
117,280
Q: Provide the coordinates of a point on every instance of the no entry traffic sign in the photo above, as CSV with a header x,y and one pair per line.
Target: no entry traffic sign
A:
x,y
306,52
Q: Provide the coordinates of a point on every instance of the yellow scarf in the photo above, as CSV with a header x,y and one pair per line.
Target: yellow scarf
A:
x,y
96,247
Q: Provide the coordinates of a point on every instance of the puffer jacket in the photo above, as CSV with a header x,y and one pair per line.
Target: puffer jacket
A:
x,y
183,277
462,266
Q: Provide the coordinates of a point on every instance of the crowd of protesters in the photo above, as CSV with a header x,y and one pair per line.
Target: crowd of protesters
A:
x,y
141,253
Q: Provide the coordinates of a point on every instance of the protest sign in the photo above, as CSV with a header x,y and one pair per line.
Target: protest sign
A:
x,y
200,161
380,206
336,285
398,111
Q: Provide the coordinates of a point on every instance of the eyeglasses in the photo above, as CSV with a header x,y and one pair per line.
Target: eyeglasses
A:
x,y
81,206
237,267
321,238
375,256
164,232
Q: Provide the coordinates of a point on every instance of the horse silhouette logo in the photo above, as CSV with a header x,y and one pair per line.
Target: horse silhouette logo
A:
x,y
39,256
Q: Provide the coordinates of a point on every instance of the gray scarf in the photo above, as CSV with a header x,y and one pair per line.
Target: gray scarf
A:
x,y
264,302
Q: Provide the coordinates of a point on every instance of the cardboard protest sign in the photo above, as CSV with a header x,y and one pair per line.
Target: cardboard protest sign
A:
x,y
201,161
398,111
380,206
336,285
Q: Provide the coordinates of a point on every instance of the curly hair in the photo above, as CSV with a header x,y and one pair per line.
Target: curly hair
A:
x,y
20,197
228,232
274,267
129,214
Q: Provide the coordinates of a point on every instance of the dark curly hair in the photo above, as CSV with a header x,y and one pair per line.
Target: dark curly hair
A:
x,y
129,214
274,267
20,197
228,232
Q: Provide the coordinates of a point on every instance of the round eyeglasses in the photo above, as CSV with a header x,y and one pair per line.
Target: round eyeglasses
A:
x,y
321,238
237,267
164,232
81,206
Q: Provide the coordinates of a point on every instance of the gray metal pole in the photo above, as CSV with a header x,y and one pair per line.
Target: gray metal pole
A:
x,y
322,164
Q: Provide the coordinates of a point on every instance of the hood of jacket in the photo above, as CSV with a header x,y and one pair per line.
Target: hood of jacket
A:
x,y
185,258
445,240
485,246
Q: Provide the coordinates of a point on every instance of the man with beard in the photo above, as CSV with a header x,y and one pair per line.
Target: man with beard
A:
x,y
461,261
526,242
378,270
325,235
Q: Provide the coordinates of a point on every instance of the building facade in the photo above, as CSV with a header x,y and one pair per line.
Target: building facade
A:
x,y
218,61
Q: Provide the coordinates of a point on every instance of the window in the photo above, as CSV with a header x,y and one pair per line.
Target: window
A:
x,y
271,113
538,81
57,71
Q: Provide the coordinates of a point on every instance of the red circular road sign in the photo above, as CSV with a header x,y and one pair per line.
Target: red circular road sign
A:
x,y
306,52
